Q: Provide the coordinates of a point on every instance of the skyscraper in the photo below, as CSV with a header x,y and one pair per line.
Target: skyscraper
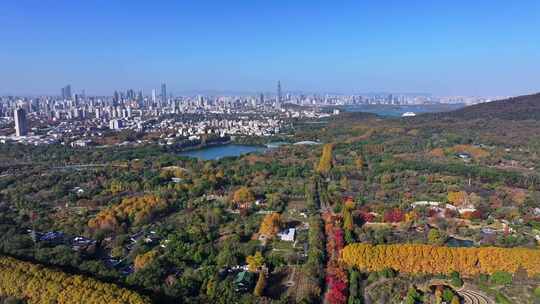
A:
x,y
116,98
66,92
279,96
163,93
21,124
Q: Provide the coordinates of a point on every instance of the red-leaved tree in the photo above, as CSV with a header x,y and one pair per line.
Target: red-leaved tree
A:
x,y
394,216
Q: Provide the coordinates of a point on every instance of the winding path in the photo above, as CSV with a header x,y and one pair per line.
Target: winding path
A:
x,y
472,296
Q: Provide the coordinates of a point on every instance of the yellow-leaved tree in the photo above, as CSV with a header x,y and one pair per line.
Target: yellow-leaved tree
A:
x,y
255,262
144,259
243,195
270,224
325,162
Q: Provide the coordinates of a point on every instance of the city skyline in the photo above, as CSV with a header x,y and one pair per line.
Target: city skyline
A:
x,y
481,48
157,92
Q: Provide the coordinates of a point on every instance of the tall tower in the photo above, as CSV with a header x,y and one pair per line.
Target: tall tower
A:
x,y
279,96
116,98
66,92
21,124
163,93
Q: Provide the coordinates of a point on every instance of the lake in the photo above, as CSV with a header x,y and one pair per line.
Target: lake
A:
x,y
454,242
398,110
217,152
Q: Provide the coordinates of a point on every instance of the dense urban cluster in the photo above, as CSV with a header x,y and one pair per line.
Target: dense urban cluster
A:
x,y
80,120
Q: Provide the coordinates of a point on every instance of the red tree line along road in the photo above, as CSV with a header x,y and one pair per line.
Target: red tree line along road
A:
x,y
336,275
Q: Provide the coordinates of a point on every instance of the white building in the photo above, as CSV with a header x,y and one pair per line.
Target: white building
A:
x,y
287,235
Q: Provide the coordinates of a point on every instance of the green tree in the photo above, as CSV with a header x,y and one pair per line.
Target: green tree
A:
x,y
455,279
501,278
413,296
435,237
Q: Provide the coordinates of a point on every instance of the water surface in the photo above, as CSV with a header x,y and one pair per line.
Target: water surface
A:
x,y
454,242
217,152
398,110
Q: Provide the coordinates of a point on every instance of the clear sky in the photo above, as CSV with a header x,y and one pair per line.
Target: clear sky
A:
x,y
455,47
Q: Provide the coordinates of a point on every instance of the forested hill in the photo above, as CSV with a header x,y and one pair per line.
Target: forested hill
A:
x,y
516,108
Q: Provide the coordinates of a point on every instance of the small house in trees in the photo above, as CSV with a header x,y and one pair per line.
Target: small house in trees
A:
x,y
287,235
243,198
243,281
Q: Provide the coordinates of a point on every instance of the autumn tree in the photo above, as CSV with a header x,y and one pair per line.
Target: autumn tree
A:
x,y
142,260
359,163
348,206
458,198
255,262
132,210
325,162
243,195
261,283
394,216
270,224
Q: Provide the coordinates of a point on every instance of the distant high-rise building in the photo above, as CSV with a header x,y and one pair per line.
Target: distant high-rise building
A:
x,y
261,98
279,96
130,94
163,92
21,124
154,95
116,98
390,99
66,92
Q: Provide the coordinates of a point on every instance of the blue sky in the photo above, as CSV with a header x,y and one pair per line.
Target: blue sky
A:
x,y
442,47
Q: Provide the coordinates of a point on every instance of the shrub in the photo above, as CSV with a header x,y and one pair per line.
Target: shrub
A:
x,y
455,279
501,299
501,278
388,273
537,292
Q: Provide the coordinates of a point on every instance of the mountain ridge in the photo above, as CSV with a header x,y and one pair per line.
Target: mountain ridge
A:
x,y
515,108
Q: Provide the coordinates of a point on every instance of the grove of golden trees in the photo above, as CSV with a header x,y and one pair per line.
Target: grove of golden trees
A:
x,y
416,259
38,284
133,210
